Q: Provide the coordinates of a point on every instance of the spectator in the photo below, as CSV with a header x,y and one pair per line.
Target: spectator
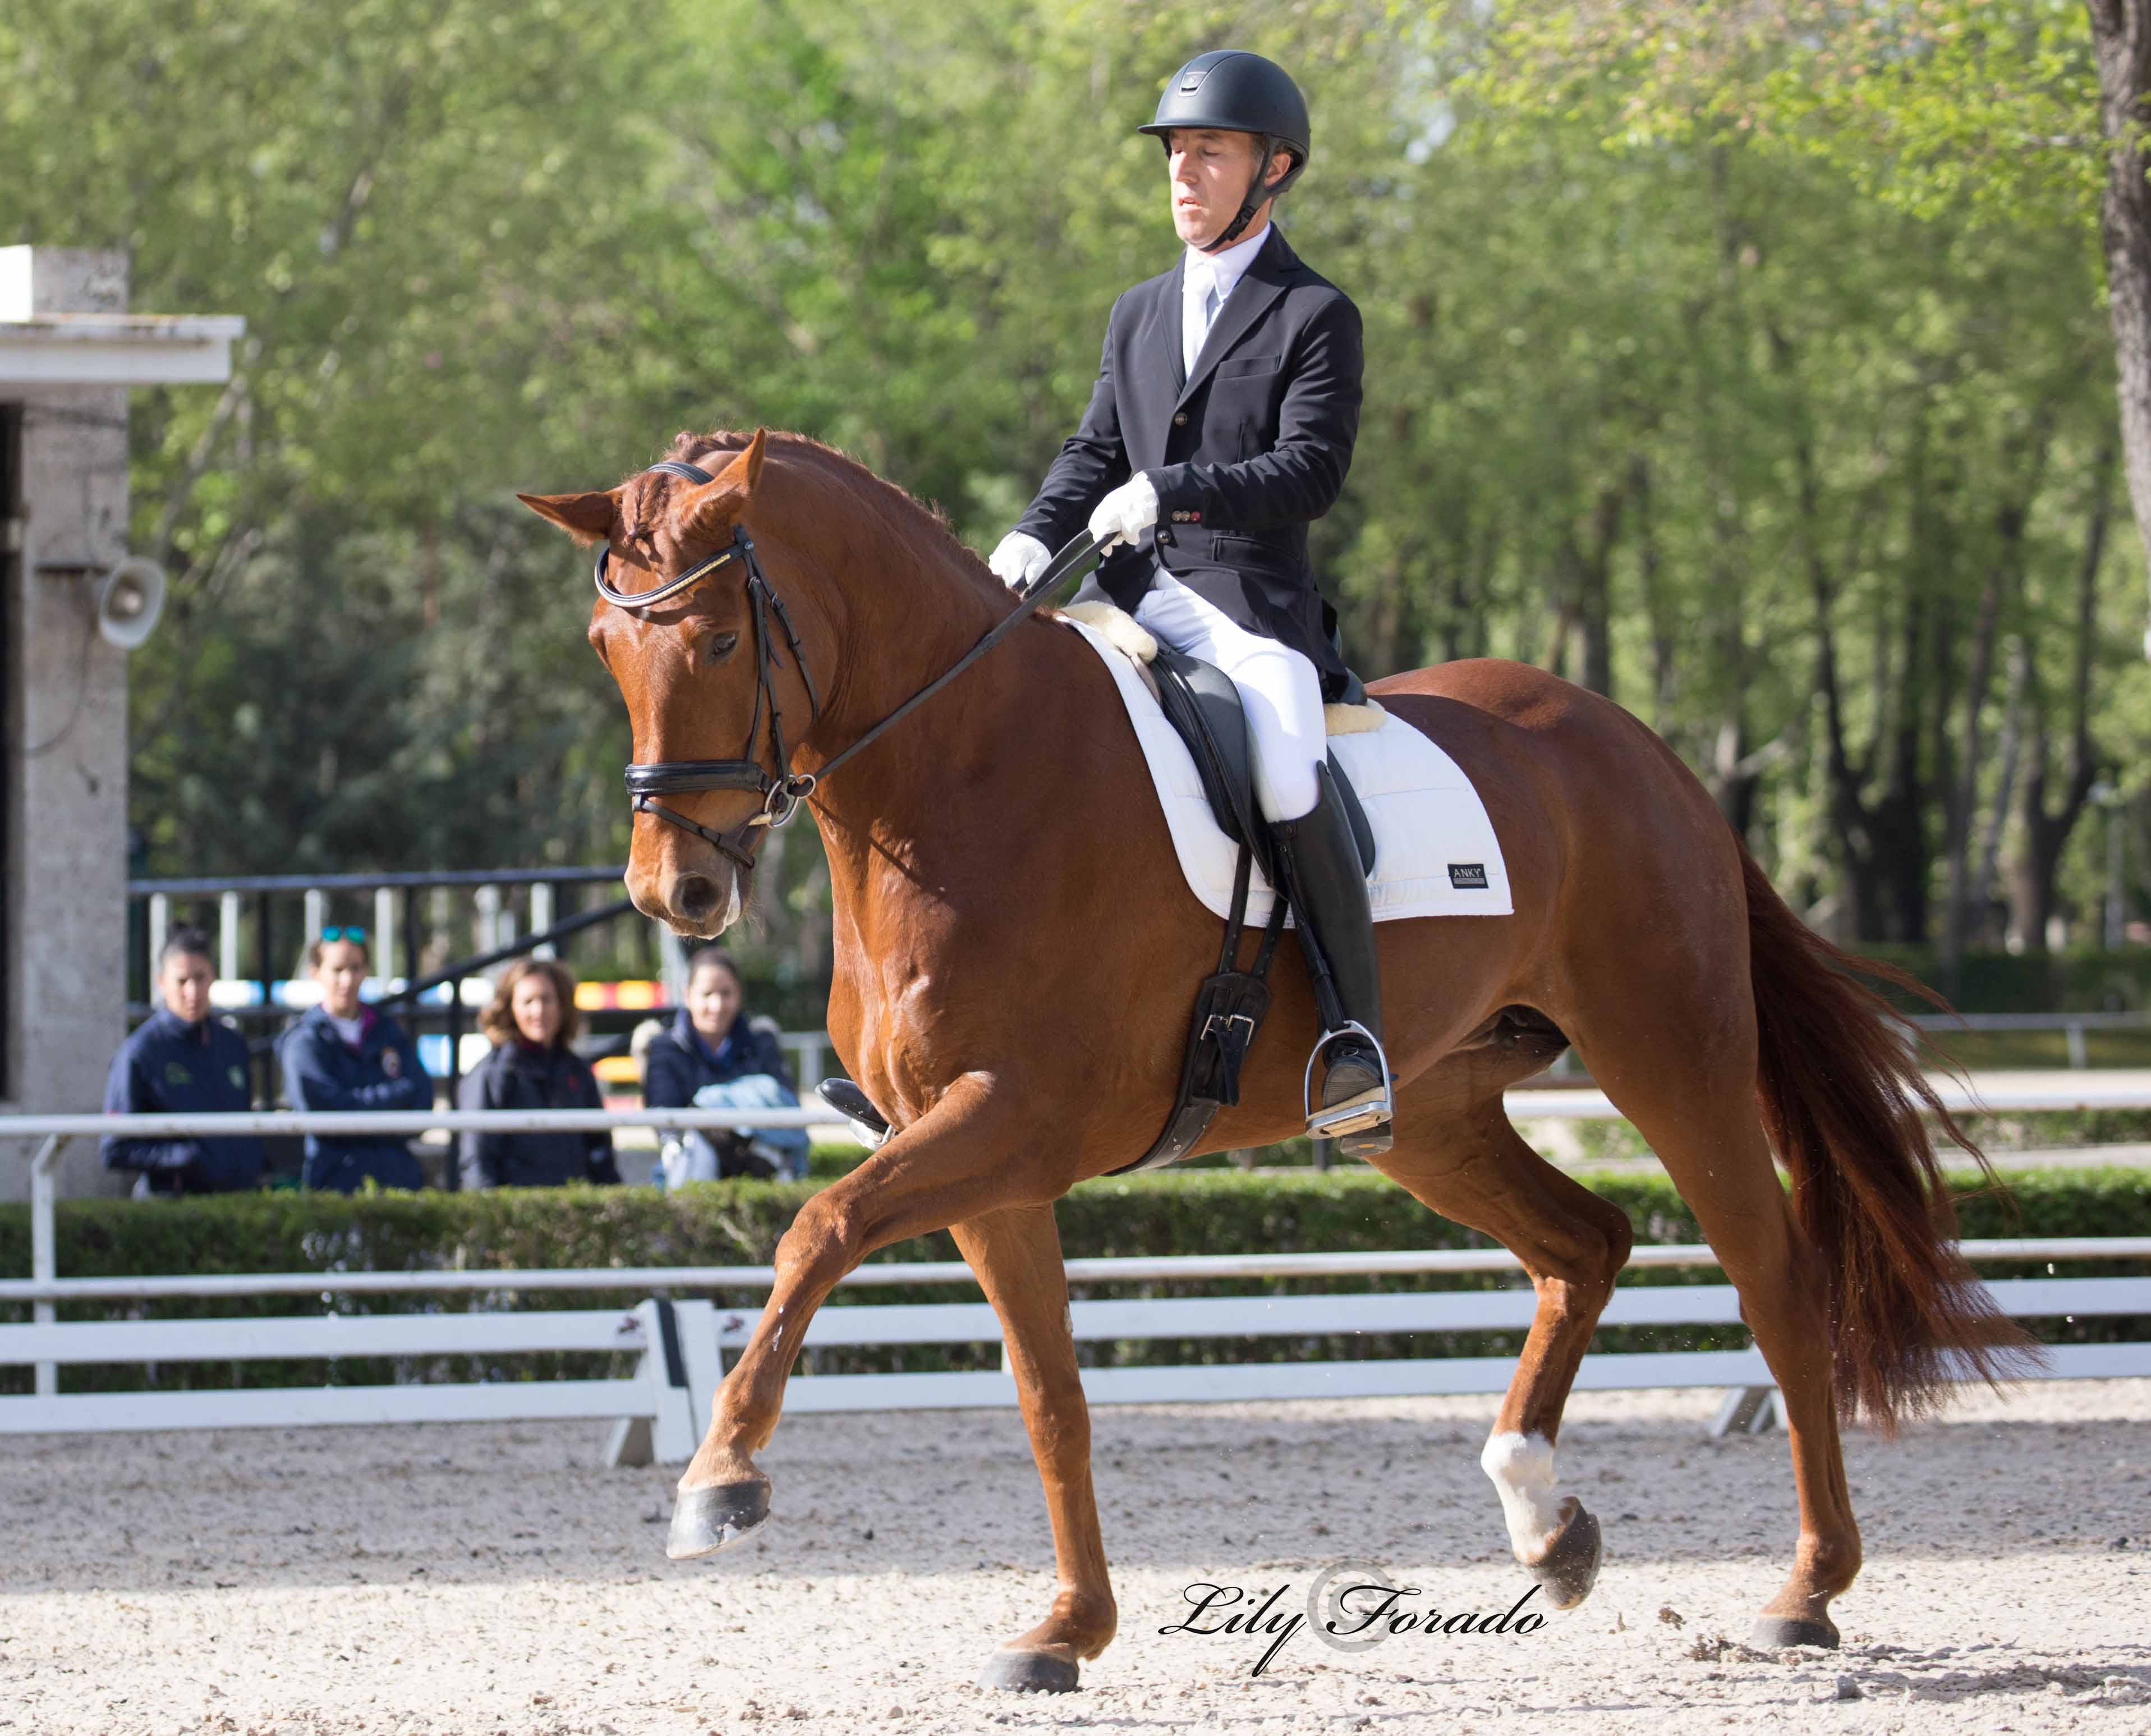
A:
x,y
343,1056
181,1061
532,1020
715,1056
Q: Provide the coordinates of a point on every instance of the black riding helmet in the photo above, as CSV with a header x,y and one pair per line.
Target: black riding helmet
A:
x,y
1236,92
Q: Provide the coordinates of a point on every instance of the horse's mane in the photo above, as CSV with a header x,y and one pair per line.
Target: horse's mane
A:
x,y
925,518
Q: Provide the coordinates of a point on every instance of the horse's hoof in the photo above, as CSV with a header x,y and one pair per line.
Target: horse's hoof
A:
x,y
1569,1569
1023,1671
705,1520
1773,1633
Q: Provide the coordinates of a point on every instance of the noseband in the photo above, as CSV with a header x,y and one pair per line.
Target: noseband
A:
x,y
782,790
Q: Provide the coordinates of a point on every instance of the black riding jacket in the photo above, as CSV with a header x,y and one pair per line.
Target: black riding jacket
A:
x,y
1245,452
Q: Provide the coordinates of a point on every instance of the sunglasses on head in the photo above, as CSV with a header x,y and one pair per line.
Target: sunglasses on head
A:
x,y
356,936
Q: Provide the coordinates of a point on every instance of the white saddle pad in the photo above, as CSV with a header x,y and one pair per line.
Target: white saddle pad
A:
x,y
1435,853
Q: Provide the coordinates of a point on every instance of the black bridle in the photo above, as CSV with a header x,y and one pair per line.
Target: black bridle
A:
x,y
783,789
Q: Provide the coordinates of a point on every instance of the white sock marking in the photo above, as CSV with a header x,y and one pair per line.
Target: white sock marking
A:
x,y
1521,1467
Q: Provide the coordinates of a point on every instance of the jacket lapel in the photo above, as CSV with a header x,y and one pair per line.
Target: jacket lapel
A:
x,y
1165,318
1251,298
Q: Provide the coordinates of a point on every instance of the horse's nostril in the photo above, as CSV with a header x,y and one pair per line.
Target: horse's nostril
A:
x,y
695,896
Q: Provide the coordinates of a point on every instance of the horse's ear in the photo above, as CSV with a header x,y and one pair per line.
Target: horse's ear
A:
x,y
723,500
587,518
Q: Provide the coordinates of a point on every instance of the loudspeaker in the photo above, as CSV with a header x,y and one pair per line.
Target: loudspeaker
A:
x,y
129,599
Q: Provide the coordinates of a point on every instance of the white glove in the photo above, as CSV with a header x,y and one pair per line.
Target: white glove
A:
x,y
1125,513
1019,560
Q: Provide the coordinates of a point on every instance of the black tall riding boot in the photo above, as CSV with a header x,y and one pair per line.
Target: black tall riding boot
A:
x,y
1318,860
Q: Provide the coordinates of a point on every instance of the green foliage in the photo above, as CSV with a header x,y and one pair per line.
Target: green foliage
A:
x,y
1933,104
2080,981
739,1222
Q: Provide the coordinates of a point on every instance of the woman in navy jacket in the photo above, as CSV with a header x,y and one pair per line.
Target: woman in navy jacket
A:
x,y
344,1055
713,1043
180,1061
532,1021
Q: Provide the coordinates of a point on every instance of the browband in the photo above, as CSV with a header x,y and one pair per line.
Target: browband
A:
x,y
671,587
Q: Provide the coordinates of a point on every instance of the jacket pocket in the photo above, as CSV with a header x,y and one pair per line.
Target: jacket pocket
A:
x,y
1233,366
1253,552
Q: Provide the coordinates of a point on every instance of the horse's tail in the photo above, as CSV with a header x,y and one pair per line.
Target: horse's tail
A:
x,y
1841,1097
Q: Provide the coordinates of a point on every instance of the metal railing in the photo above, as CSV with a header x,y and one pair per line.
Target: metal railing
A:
x,y
396,909
2072,1025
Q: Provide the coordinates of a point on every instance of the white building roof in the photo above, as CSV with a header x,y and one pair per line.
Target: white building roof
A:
x,y
115,349
50,349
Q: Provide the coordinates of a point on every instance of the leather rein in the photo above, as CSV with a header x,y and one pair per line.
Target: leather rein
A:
x,y
783,789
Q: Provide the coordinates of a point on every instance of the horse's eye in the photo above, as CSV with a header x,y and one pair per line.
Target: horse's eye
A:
x,y
721,646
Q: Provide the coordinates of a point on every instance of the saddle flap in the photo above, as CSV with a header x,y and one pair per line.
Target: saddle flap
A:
x,y
1355,811
1204,707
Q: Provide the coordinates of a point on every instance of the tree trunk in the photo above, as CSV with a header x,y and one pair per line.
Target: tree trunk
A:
x,y
1980,897
1658,604
2046,833
1971,876
2121,43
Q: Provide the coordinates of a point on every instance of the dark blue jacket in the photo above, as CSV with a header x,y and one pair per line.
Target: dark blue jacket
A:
x,y
678,1063
1245,451
170,1067
322,1071
517,1076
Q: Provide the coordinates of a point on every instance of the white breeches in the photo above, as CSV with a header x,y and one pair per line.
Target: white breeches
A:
x,y
1278,687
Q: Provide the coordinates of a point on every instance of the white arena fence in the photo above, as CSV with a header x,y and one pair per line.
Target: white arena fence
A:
x,y
679,1346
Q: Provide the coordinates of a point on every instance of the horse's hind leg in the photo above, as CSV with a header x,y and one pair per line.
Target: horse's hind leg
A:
x,y
1016,1254
1471,1165
1705,1129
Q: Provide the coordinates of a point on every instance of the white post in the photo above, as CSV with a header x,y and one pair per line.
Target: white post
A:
x,y
541,914
673,967
384,932
44,1248
227,936
161,925
2079,1055
488,900
1746,1411
317,905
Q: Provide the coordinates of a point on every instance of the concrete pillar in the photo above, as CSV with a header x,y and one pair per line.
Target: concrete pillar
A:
x,y
65,823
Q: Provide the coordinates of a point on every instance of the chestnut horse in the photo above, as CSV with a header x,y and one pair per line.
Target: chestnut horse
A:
x,y
1016,952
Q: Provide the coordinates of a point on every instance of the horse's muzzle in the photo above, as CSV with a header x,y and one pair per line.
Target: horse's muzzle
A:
x,y
697,903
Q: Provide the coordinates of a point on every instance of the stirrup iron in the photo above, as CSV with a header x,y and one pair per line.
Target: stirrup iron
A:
x,y
858,1110
1368,1111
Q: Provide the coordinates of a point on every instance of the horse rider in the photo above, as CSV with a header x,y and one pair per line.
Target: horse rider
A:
x,y
1221,423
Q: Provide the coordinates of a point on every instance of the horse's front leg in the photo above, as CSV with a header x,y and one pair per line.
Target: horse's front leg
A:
x,y
1016,1254
963,1157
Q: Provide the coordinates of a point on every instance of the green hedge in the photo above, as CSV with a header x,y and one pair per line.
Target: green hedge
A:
x,y
2081,981
739,1222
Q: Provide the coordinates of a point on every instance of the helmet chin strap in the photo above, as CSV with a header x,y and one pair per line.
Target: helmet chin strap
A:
x,y
1260,193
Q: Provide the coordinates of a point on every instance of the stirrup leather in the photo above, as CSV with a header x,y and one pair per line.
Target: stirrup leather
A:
x,y
1370,1109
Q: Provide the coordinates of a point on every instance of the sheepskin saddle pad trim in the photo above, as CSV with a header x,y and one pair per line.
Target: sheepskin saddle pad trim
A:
x,y
1132,639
